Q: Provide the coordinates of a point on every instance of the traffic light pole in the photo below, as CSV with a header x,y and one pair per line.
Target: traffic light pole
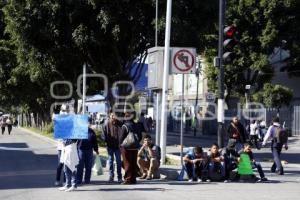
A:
x,y
221,74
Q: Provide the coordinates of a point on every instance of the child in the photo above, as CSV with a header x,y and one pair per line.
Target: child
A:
x,y
216,167
248,150
195,160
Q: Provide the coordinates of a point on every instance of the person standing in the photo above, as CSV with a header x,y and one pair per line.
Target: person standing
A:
x,y
111,134
3,124
279,139
255,133
143,123
85,153
236,133
9,124
129,153
60,165
70,160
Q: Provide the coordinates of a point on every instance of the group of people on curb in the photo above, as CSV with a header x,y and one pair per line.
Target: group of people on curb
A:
x,y
132,149
123,141
217,164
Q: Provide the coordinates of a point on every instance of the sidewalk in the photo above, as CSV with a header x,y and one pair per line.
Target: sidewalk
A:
x,y
170,172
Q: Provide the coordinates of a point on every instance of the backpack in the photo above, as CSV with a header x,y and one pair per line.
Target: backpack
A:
x,y
133,138
281,135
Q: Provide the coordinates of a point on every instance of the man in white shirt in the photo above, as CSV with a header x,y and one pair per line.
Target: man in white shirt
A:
x,y
276,146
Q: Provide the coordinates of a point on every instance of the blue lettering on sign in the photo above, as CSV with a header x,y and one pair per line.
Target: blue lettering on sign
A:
x,y
70,127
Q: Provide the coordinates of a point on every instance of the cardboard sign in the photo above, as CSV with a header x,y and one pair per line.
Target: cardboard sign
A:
x,y
70,127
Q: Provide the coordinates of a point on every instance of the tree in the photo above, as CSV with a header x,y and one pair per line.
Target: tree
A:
x,y
260,29
274,96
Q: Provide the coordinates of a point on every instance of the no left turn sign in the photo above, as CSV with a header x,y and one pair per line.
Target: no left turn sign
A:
x,y
183,60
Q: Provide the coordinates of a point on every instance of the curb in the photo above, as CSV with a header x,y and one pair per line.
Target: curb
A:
x,y
52,141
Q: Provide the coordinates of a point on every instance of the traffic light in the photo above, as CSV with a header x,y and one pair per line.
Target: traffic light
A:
x,y
228,44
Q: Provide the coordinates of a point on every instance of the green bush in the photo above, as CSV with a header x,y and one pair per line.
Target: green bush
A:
x,y
101,142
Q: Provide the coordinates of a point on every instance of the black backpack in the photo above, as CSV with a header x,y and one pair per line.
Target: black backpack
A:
x,y
281,135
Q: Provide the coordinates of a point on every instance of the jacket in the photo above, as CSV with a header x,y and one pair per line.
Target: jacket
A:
x,y
239,128
90,143
111,134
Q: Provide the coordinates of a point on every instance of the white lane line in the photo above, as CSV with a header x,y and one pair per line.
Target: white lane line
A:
x,y
27,173
24,149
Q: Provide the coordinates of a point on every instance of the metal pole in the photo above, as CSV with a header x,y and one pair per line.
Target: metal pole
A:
x,y
158,92
156,21
157,119
181,122
221,74
196,102
84,88
163,128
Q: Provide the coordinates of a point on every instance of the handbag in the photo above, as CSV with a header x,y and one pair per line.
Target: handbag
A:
x,y
131,140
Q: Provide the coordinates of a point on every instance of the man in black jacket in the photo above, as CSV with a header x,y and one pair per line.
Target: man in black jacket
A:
x,y
236,133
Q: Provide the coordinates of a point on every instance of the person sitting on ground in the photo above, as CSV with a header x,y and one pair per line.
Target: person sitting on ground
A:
x,y
231,159
216,168
195,160
148,158
248,150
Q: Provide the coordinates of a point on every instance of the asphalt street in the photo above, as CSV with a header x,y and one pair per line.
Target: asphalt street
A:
x,y
28,166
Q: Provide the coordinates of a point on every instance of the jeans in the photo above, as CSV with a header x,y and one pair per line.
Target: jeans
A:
x,y
216,168
276,151
59,168
230,164
70,177
199,167
117,154
85,162
259,169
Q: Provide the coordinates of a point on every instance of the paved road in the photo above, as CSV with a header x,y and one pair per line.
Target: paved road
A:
x,y
27,169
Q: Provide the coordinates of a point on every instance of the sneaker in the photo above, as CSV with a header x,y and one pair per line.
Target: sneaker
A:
x,y
226,181
199,180
120,180
148,178
72,188
208,180
63,188
56,183
263,179
190,180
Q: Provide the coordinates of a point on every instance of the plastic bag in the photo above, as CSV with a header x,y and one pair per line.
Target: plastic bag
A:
x,y
97,168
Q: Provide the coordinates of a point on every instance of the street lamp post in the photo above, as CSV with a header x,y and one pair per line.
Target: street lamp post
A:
x,y
221,74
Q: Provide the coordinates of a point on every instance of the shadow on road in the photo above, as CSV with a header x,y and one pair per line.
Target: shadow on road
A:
x,y
21,168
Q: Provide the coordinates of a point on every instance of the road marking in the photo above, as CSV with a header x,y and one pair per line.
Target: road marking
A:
x,y
24,149
27,173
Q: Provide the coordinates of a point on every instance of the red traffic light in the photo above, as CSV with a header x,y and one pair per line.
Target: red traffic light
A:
x,y
229,31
